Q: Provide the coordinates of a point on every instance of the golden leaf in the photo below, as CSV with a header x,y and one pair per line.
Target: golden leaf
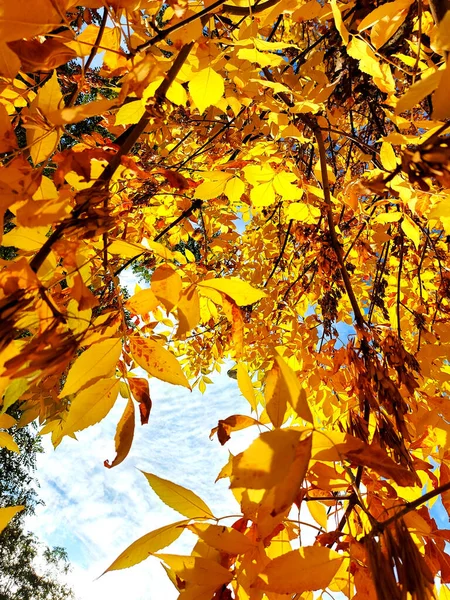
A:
x,y
223,538
124,435
6,514
146,545
91,405
206,88
239,291
179,498
98,361
307,569
157,361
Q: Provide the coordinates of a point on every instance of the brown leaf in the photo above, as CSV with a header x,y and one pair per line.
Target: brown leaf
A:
x,y
124,436
141,392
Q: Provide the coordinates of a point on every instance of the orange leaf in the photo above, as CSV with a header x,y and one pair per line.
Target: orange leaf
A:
x,y
124,436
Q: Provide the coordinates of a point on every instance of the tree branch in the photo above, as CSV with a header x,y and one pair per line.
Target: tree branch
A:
x,y
410,506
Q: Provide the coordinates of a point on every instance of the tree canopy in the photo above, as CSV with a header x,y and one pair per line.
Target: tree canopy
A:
x,y
278,171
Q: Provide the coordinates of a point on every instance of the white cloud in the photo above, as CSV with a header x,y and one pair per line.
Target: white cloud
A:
x,y
96,512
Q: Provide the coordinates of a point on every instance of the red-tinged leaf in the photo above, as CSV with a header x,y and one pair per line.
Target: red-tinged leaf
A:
x,y
175,179
141,393
124,436
157,361
230,424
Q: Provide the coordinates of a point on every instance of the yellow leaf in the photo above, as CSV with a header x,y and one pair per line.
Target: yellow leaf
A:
x,y
91,405
6,421
157,361
239,291
387,156
143,302
130,113
98,361
179,498
124,435
188,311
206,88
208,190
234,189
339,22
385,21
262,194
318,513
280,498
307,569
246,386
263,59
418,91
284,185
146,545
196,569
290,387
368,63
301,211
267,460
43,142
275,397
49,97
6,514
8,140
7,441
26,238
166,285
441,97
411,230
440,35
125,249
75,114
176,92
225,539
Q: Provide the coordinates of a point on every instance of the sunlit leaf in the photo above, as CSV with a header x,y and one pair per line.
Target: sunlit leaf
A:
x,y
99,360
91,405
179,498
124,436
6,514
157,361
147,545
240,291
206,88
307,569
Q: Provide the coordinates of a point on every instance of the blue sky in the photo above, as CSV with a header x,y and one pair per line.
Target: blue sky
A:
x,y
96,512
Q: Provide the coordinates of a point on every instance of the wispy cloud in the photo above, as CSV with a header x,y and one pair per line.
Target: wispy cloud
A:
x,y
96,513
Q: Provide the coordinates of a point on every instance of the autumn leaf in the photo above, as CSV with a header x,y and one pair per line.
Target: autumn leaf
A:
x,y
124,436
206,88
196,569
6,514
179,498
7,441
157,361
240,291
91,405
223,538
141,393
99,360
230,424
147,545
307,569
